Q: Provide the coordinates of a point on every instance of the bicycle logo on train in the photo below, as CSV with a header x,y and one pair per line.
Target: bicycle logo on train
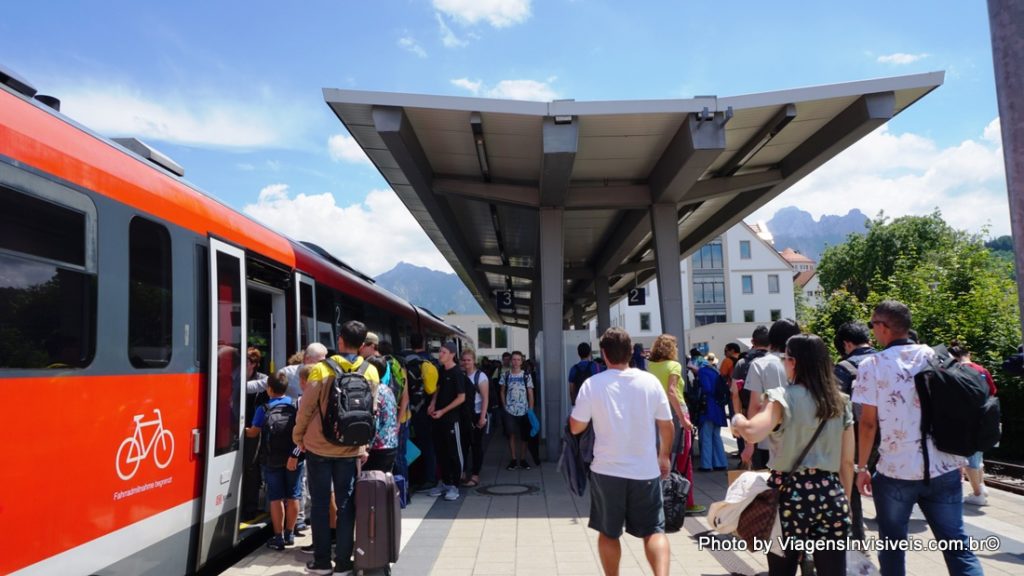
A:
x,y
136,448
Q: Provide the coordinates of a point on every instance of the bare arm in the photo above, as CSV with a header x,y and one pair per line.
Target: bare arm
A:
x,y
529,397
484,402
666,434
868,429
577,427
757,428
846,461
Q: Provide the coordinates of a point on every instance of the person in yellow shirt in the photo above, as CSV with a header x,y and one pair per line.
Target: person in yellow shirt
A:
x,y
330,465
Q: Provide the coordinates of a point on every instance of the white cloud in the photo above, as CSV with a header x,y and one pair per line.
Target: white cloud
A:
x,y
344,148
372,235
467,84
909,174
900,58
409,43
448,38
524,90
497,13
119,110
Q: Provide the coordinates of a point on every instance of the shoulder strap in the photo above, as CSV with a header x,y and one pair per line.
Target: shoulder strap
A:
x,y
800,459
476,379
921,382
333,366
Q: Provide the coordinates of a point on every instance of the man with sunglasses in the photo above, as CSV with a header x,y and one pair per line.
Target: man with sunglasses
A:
x,y
889,404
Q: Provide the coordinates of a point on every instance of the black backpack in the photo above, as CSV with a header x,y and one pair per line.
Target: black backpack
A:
x,y
581,375
956,409
674,490
414,381
276,435
349,418
469,406
723,396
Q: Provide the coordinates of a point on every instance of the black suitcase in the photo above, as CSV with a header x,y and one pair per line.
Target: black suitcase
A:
x,y
378,521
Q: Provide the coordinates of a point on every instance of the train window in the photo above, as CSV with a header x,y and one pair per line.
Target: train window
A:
x,y
149,294
229,353
307,318
47,281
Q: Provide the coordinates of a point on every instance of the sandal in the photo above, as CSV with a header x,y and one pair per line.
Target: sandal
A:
x,y
475,481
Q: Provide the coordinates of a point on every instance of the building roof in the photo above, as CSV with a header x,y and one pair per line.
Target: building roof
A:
x,y
794,257
800,280
475,172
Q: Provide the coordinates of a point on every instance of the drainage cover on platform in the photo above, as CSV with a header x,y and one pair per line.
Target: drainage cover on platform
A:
x,y
508,490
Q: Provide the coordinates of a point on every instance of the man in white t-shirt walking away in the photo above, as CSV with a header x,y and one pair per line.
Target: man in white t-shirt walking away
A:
x,y
889,404
625,488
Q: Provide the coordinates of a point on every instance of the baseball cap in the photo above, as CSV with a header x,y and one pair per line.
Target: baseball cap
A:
x,y
371,338
451,347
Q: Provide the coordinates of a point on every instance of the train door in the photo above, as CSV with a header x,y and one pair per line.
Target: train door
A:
x,y
305,303
226,415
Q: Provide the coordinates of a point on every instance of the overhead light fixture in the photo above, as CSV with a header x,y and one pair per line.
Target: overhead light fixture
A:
x,y
477,125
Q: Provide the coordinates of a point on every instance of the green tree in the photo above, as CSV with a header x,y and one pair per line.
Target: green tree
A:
x,y
840,307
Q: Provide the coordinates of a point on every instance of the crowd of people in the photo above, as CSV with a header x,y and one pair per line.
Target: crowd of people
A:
x,y
827,432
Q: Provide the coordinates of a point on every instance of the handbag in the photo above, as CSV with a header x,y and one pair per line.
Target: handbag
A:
x,y
758,518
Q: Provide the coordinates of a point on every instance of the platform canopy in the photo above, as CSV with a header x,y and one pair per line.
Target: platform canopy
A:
x,y
478,173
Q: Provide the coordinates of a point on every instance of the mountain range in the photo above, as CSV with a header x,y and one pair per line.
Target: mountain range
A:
x,y
442,292
439,292
794,228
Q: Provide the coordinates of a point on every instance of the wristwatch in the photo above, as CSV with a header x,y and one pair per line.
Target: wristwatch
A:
x,y
857,469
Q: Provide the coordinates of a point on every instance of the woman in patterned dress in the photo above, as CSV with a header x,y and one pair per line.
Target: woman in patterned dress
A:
x,y
813,504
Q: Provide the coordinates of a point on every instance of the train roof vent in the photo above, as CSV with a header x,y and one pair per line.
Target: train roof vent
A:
x,y
152,154
11,79
339,263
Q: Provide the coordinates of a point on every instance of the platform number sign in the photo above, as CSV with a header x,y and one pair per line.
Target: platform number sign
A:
x,y
506,301
637,297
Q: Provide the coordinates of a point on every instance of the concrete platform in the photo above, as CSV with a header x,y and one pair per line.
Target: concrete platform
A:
x,y
544,532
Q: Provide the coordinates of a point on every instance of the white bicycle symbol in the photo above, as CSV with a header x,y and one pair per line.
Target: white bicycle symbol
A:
x,y
134,450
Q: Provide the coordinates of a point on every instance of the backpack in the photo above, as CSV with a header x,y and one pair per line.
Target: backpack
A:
x,y
956,409
674,490
469,406
350,417
850,365
722,393
276,435
397,382
581,375
417,387
693,395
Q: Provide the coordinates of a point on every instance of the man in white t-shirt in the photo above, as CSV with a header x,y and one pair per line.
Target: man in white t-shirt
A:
x,y
889,404
765,373
625,488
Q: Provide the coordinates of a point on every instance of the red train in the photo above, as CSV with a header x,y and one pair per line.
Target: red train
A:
x,y
127,300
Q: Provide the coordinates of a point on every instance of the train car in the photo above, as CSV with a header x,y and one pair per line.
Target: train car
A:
x,y
127,302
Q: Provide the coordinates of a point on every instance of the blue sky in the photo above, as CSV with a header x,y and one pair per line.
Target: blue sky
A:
x,y
232,90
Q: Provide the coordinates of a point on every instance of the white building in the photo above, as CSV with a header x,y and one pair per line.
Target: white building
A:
x,y
805,276
737,279
490,339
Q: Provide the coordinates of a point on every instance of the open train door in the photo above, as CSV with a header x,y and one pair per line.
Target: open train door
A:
x,y
226,401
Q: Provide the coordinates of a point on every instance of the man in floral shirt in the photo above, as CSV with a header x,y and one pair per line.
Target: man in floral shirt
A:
x,y
890,405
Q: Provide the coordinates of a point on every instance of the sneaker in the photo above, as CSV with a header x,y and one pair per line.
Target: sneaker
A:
x,y
289,538
438,490
984,490
276,543
307,549
340,568
298,532
524,464
452,494
313,567
695,510
512,466
976,499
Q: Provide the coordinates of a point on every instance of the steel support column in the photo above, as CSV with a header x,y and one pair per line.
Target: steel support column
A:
x,y
603,306
553,390
1006,20
665,229
577,316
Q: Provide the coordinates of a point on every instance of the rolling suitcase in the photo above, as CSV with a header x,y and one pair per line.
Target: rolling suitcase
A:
x,y
378,522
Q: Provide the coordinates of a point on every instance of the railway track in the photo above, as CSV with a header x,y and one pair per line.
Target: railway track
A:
x,y
1007,476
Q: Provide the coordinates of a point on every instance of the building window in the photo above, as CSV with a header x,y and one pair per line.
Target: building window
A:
x,y
500,337
149,294
47,280
709,292
709,256
773,283
645,321
483,336
810,293
744,249
705,319
748,284
748,315
776,315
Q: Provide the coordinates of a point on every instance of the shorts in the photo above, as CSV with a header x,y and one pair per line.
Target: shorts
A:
x,y
615,502
974,461
284,484
516,426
